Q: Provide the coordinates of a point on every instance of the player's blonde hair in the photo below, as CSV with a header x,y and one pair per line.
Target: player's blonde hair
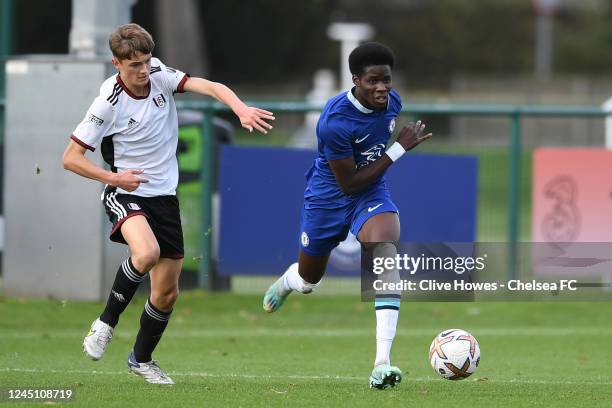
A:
x,y
128,39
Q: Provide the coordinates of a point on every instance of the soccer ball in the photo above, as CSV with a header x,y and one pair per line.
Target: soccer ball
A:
x,y
454,354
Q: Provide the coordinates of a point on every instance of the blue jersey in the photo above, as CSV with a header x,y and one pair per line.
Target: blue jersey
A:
x,y
348,129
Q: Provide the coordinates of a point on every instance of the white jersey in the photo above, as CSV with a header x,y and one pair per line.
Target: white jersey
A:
x,y
137,132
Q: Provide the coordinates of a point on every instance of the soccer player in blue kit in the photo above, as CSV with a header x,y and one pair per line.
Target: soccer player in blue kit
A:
x,y
346,190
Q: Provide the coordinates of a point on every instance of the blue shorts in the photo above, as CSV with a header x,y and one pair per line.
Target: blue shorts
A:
x,y
322,229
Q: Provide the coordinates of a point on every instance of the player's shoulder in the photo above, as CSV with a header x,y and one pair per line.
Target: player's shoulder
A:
x,y
108,85
338,104
395,96
337,115
110,90
156,65
339,109
395,100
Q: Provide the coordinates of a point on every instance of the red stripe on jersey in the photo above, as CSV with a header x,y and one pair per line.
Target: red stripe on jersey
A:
x,y
172,256
181,84
82,144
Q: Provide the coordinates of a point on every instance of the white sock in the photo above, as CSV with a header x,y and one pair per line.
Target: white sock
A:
x,y
387,305
291,280
386,324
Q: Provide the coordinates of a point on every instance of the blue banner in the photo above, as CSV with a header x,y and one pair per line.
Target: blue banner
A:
x,y
261,199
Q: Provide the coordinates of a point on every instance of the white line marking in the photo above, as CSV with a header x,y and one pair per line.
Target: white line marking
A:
x,y
299,377
426,332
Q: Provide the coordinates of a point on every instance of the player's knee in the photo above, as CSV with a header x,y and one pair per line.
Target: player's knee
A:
x,y
165,300
381,228
381,236
146,259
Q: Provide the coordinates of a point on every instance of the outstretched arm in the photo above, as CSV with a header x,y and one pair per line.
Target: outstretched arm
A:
x,y
352,180
250,117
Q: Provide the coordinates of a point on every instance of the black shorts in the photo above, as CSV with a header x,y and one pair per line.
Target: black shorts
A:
x,y
162,213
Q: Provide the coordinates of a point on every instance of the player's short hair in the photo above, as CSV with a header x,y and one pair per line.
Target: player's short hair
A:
x,y
128,39
368,54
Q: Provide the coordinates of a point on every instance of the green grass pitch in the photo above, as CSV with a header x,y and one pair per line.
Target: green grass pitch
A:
x,y
223,350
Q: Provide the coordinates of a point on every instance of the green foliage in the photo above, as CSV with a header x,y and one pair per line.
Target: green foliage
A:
x,y
433,40
583,41
266,41
280,42
444,37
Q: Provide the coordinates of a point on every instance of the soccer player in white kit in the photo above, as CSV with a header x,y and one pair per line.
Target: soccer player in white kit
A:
x,y
134,123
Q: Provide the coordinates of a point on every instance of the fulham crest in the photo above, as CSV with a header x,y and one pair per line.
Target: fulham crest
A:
x,y
159,101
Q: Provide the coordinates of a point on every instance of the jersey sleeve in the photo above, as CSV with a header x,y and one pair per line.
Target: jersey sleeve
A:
x,y
172,79
337,140
397,101
175,79
97,123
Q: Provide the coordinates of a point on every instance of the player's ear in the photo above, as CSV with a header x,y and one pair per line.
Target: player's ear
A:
x,y
356,80
115,62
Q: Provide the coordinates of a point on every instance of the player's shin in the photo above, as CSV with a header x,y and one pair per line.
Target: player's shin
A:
x,y
126,283
386,323
153,322
387,304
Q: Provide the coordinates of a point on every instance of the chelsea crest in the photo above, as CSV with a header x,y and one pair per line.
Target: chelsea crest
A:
x,y
392,125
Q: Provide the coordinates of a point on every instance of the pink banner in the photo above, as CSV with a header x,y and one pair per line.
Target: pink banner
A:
x,y
572,205
572,195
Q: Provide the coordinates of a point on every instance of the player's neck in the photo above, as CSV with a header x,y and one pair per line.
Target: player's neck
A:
x,y
139,91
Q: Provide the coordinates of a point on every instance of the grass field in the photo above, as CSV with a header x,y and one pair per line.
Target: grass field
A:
x,y
222,350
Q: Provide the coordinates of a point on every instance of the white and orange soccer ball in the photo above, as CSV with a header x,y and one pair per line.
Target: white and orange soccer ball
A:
x,y
454,354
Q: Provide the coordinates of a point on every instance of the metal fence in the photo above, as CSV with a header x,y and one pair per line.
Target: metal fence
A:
x,y
513,113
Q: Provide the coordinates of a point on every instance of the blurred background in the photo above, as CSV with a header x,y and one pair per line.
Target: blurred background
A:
x,y
517,94
450,49
494,80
